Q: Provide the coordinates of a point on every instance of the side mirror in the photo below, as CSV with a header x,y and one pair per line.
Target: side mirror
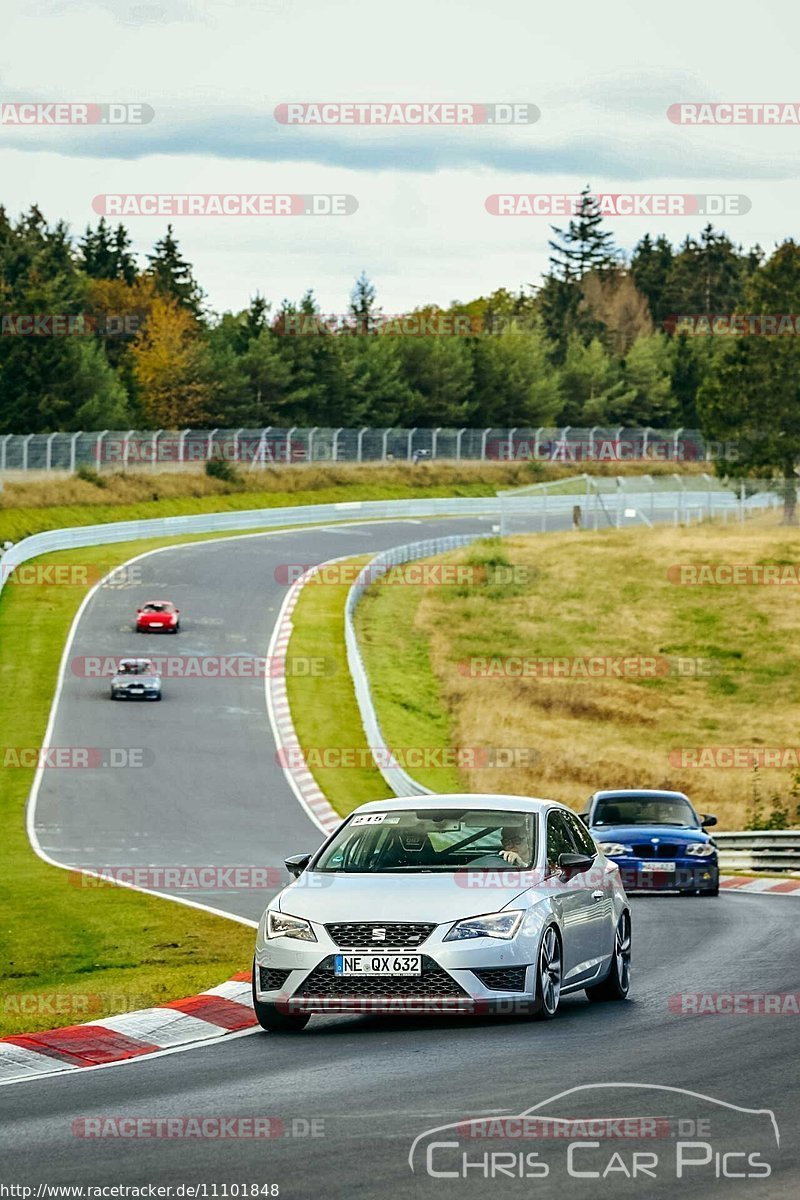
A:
x,y
138,611
573,864
585,818
177,610
297,863
708,819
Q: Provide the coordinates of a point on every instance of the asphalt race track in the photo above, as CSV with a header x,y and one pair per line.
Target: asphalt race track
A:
x,y
214,794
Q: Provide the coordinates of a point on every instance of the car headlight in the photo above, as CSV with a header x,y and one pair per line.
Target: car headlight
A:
x,y
700,849
612,848
496,925
282,925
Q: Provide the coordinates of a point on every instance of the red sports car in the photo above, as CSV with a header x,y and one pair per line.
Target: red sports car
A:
x,y
158,616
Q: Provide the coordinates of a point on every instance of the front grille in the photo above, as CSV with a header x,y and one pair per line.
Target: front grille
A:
x,y
662,850
503,979
397,935
270,979
433,982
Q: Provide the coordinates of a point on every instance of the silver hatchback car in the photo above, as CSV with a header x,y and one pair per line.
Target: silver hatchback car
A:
x,y
136,679
445,904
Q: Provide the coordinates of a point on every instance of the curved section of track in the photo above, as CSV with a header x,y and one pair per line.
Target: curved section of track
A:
x,y
214,795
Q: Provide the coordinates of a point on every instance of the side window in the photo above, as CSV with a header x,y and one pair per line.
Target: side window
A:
x,y
559,839
583,839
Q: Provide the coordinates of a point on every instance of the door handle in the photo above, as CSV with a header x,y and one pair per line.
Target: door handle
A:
x,y
597,895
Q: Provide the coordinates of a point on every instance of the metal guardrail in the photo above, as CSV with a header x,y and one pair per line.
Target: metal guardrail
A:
x,y
110,449
760,850
401,783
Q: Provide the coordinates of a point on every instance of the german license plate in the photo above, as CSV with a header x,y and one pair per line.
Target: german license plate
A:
x,y
377,964
136,691
649,867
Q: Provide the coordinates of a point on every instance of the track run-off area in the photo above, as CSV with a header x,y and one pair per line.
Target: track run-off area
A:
x,y
351,1094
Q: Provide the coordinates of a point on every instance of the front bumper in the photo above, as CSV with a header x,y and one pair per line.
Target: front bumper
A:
x,y
642,875
147,694
474,976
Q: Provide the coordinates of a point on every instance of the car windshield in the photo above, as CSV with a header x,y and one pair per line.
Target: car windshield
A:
x,y
134,668
644,810
157,608
426,840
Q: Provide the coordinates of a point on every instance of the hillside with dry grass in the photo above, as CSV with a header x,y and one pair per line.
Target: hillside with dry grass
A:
x,y
612,671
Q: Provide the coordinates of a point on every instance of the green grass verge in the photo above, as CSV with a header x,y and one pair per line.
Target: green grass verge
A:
x,y
70,954
17,523
325,709
406,692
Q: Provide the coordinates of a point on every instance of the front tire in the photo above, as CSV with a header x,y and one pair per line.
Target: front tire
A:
x,y
272,1018
548,975
617,982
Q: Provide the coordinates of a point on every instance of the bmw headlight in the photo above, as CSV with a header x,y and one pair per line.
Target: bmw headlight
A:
x,y
700,849
282,925
496,925
615,848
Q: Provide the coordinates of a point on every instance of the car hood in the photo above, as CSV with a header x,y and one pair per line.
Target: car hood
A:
x,y
644,833
442,897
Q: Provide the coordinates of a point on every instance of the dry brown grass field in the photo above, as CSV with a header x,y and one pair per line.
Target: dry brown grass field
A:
x,y
708,667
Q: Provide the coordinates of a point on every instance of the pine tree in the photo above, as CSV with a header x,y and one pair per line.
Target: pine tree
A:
x,y
124,261
584,245
362,305
650,266
173,274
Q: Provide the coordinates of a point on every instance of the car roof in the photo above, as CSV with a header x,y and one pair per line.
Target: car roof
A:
x,y
492,800
139,662
156,602
639,792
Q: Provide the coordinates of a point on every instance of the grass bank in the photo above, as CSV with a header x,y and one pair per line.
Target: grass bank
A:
x,y
324,709
28,508
707,667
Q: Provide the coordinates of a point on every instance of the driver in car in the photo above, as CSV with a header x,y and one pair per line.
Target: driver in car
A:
x,y
515,849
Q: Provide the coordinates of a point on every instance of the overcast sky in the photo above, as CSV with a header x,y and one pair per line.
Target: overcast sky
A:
x,y
602,75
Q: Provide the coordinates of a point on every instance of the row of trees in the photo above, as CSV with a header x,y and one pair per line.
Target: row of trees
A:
x,y
592,343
